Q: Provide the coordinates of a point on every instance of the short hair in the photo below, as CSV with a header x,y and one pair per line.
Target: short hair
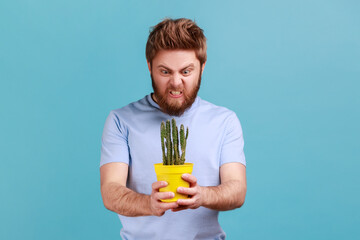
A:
x,y
171,34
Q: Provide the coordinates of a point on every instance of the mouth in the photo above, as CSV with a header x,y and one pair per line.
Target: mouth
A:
x,y
175,94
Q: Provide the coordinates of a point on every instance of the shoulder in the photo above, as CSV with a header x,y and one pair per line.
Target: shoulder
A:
x,y
134,109
124,115
134,115
212,110
220,117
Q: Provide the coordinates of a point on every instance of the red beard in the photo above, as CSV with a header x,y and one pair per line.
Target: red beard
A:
x,y
175,109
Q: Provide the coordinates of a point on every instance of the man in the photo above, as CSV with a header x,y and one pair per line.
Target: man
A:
x,y
176,57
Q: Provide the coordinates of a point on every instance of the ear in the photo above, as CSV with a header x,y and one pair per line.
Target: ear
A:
x,y
202,68
149,66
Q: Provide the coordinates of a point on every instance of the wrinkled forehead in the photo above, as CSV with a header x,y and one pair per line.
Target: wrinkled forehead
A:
x,y
176,59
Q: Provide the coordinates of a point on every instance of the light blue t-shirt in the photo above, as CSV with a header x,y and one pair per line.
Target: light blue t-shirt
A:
x,y
132,135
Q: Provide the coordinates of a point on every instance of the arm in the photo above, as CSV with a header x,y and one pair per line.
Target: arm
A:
x,y
230,194
124,201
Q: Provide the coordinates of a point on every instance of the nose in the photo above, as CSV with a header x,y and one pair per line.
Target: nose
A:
x,y
176,79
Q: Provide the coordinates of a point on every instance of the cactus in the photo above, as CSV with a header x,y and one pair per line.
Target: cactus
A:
x,y
183,140
172,154
177,148
168,143
176,157
163,136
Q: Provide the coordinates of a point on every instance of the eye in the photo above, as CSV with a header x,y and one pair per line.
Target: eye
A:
x,y
186,72
164,71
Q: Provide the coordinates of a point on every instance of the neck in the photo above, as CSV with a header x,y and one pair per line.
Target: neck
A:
x,y
153,97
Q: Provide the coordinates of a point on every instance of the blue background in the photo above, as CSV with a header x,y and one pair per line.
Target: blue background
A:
x,y
289,69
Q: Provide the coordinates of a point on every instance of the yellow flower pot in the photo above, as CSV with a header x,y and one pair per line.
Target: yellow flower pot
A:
x,y
172,175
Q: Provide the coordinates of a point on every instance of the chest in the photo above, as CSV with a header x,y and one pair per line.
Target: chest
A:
x,y
203,150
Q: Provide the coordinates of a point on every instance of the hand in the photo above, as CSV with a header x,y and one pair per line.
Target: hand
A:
x,y
157,207
195,191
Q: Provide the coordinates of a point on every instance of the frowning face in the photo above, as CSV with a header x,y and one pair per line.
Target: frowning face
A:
x,y
176,79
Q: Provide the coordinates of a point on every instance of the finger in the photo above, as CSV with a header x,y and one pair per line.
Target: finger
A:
x,y
189,178
186,202
159,184
163,195
186,191
167,206
179,209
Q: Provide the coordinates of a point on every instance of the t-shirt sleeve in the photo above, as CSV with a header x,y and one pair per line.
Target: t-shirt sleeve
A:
x,y
114,143
233,144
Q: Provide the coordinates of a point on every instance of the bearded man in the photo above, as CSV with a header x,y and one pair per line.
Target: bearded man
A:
x,y
176,57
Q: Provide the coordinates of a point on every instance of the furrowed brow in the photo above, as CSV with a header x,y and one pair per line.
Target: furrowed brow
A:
x,y
167,68
188,66
163,66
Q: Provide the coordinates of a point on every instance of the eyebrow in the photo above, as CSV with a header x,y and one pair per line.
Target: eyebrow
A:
x,y
163,66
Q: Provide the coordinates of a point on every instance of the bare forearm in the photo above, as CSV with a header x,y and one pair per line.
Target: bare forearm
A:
x,y
226,196
124,201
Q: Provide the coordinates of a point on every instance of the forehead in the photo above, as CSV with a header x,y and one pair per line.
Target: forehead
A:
x,y
175,59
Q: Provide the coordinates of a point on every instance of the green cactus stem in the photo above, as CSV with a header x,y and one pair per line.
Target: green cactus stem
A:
x,y
177,149
175,138
182,143
163,136
168,143
186,137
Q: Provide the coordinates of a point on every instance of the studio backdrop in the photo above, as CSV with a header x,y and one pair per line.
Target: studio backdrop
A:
x,y
290,70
